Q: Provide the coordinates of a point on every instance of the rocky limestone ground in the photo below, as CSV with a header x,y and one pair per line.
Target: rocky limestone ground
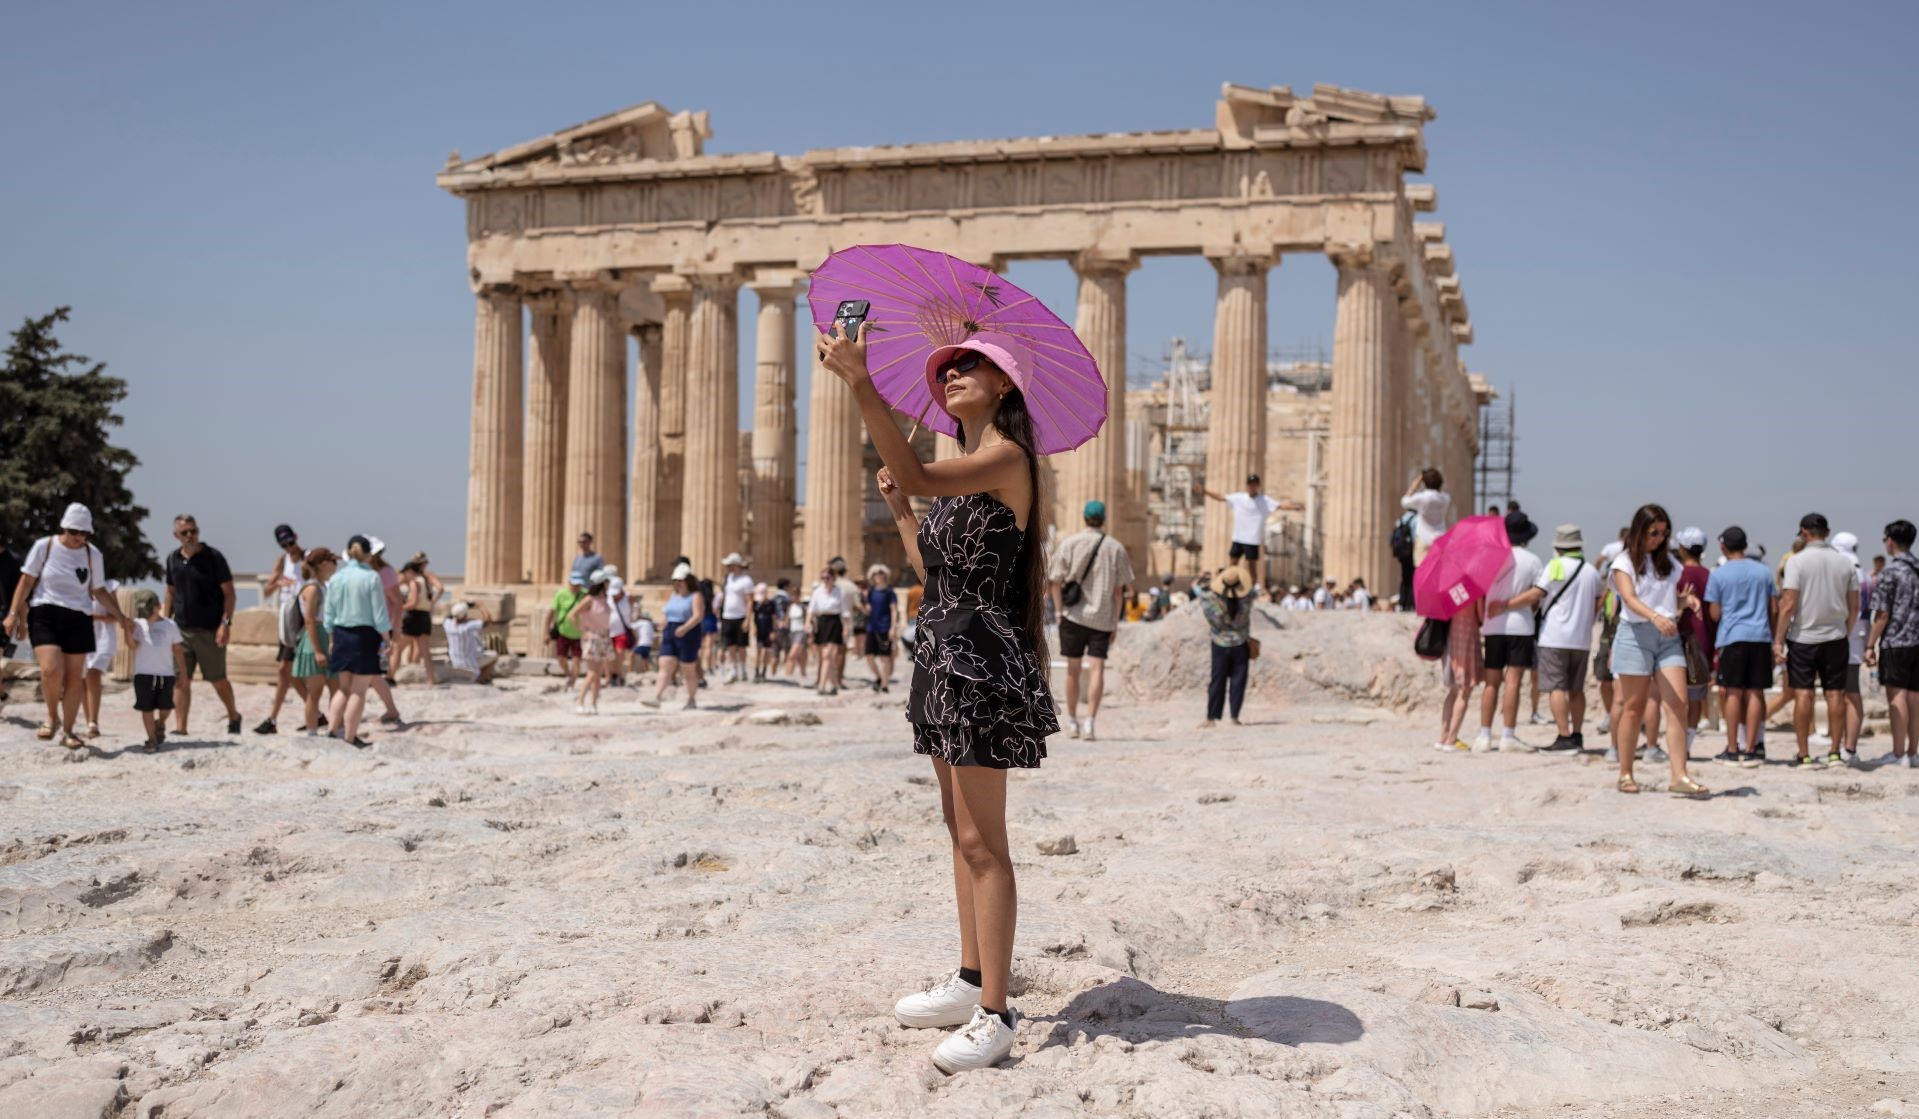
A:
x,y
513,910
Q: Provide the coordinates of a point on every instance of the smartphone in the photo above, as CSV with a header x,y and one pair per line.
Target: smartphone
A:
x,y
851,316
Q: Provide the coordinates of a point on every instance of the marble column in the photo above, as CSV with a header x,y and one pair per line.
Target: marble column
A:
x,y
677,297
1096,471
493,509
710,498
543,537
835,480
1236,430
775,430
649,540
596,423
1360,447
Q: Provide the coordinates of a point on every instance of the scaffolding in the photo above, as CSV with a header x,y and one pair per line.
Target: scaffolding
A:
x,y
1182,463
1494,470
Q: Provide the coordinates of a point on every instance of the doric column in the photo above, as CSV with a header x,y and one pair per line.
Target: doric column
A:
x,y
493,509
1357,519
775,430
596,422
544,542
649,541
710,509
676,294
1097,469
835,485
1236,431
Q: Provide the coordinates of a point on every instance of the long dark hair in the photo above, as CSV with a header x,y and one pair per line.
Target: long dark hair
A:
x,y
1642,522
1028,585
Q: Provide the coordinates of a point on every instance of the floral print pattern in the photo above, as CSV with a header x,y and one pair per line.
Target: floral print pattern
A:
x,y
979,697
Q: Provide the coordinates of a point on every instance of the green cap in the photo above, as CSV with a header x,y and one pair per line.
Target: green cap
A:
x,y
1095,511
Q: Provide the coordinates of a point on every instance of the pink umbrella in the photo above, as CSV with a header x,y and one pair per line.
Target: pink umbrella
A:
x,y
1461,566
923,300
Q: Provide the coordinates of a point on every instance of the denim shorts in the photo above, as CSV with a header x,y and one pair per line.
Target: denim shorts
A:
x,y
1640,648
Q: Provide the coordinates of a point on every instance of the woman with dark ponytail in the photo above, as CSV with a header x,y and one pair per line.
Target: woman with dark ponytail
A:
x,y
980,703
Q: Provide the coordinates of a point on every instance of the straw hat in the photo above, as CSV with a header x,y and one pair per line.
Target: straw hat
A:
x,y
1231,582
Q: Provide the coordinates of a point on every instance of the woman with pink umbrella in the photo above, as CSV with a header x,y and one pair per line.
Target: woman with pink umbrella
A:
x,y
1450,586
955,346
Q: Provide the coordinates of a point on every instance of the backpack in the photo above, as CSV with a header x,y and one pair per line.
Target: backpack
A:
x,y
1401,540
291,623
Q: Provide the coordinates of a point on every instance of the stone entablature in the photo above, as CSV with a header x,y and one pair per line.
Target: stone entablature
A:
x,y
629,210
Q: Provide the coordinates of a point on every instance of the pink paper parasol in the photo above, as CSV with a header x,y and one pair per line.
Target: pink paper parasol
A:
x,y
1461,566
922,300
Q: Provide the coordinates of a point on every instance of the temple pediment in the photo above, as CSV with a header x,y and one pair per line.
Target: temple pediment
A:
x,y
647,131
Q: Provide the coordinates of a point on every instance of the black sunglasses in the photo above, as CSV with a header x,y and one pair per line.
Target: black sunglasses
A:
x,y
965,364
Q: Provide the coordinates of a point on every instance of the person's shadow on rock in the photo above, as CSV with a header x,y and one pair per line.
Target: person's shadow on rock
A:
x,y
1138,1012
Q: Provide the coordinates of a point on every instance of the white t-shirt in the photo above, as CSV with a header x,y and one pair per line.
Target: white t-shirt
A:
x,y
826,601
153,642
67,576
286,567
737,601
1518,576
1569,625
1322,599
1660,594
1249,516
645,633
1362,600
463,643
796,618
1429,513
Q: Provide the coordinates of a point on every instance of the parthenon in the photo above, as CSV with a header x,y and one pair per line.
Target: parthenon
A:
x,y
625,227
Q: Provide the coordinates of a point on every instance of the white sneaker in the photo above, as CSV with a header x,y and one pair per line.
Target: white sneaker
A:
x,y
1539,720
1510,743
1605,722
1655,755
1851,756
985,1042
1612,753
1483,742
950,1002
1087,730
579,709
1072,728
1906,761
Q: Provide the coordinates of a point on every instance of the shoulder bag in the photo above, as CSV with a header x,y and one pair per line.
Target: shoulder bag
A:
x,y
1070,594
1563,588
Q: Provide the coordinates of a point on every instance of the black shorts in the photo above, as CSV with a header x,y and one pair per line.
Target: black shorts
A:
x,y
416,623
1852,678
286,653
48,624
1899,667
1820,666
879,644
829,629
1239,551
1745,666
356,649
1504,651
153,693
733,633
1076,641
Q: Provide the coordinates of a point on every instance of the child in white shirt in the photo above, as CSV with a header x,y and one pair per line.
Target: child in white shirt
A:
x,y
156,663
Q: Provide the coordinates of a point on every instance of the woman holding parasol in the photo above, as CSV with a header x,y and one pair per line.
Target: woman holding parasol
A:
x,y
967,354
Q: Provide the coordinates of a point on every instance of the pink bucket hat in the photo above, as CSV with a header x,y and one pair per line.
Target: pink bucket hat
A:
x,y
1003,350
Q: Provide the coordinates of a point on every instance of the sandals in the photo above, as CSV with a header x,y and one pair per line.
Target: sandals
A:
x,y
1687,787
1627,784
73,741
93,730
44,733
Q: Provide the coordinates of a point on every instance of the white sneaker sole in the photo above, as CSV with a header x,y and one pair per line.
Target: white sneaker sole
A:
x,y
932,1021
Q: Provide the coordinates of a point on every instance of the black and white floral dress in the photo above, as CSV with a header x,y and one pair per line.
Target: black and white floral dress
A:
x,y
979,697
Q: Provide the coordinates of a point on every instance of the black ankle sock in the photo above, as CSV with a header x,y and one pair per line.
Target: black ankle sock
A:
x,y
1005,1016
970,975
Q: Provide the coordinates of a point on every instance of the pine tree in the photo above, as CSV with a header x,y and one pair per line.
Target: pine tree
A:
x,y
54,449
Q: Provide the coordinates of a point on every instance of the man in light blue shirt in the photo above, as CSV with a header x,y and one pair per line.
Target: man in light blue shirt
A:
x,y
1743,601
587,562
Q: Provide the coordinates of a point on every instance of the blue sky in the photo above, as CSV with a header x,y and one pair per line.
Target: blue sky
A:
x,y
1685,230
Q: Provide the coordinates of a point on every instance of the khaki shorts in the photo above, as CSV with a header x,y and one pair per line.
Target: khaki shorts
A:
x,y
1562,670
203,651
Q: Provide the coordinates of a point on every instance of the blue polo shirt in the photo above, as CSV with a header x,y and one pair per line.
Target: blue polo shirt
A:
x,y
1744,591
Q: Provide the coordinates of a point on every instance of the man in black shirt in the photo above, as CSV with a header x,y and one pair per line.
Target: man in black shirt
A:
x,y
199,599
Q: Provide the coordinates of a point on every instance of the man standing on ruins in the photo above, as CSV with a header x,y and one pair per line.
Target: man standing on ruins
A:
x,y
1088,581
199,599
1250,510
